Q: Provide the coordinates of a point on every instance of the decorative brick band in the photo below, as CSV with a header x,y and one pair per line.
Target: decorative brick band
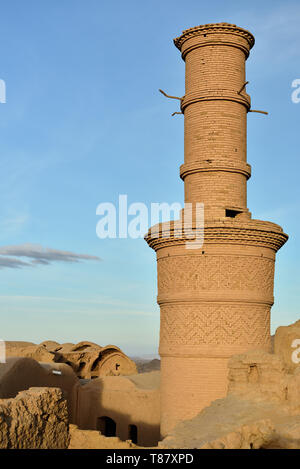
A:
x,y
215,297
206,351
232,166
213,95
226,28
199,327
254,233
212,42
215,278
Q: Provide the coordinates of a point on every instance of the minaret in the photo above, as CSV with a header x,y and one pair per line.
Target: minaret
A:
x,y
214,301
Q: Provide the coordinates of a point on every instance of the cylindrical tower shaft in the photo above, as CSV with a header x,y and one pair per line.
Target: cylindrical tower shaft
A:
x,y
215,108
214,301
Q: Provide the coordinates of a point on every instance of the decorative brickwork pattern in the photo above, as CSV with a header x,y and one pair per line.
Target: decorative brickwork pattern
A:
x,y
219,324
194,273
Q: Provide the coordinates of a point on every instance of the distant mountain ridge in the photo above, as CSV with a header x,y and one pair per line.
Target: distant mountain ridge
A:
x,y
144,366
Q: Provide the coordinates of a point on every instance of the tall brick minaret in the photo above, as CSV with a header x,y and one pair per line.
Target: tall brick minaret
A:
x,y
214,301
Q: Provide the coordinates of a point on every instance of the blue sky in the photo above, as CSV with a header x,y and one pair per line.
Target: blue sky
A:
x,y
84,122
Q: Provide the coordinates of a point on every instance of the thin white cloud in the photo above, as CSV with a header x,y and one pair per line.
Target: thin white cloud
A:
x,y
96,301
38,255
284,19
276,31
12,224
87,306
38,310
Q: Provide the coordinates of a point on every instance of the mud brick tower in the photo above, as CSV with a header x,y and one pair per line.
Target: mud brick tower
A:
x,y
214,301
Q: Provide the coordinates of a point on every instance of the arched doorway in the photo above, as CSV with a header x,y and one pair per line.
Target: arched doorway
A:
x,y
133,433
106,426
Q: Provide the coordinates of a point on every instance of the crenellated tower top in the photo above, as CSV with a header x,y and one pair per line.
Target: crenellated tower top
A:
x,y
210,32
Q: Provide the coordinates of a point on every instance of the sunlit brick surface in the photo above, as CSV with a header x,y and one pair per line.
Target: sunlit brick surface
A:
x,y
214,301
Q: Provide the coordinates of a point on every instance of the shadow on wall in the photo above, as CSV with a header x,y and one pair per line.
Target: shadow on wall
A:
x,y
116,407
126,407
140,433
108,427
19,374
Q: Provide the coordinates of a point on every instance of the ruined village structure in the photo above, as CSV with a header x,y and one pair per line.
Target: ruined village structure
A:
x,y
45,405
87,359
223,383
214,301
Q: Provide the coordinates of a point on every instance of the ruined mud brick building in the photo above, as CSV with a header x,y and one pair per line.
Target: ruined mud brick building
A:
x,y
87,359
214,301
261,409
